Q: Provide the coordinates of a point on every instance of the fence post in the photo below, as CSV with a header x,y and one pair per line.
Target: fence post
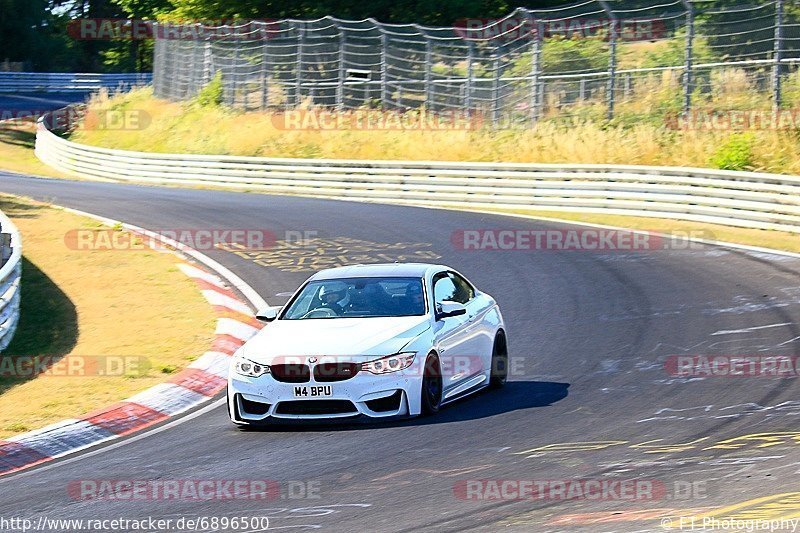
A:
x,y
208,63
688,77
301,39
342,70
158,64
495,86
470,74
777,69
537,28
265,73
235,74
612,60
384,68
428,69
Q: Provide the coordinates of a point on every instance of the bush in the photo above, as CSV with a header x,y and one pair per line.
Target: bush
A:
x,y
736,153
212,94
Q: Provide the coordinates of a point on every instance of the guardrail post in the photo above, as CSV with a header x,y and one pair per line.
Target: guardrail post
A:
x,y
688,76
612,60
777,70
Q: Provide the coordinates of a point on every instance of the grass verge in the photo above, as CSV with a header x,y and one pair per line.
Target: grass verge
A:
x,y
134,306
643,136
17,142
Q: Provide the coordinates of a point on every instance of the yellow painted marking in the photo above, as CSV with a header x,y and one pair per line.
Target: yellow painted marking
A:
x,y
622,515
316,254
776,507
568,447
650,447
757,440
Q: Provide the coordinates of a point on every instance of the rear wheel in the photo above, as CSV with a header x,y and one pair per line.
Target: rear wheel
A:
x,y
499,361
431,386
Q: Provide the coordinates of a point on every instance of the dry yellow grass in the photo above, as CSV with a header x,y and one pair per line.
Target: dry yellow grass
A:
x,y
16,151
184,128
95,303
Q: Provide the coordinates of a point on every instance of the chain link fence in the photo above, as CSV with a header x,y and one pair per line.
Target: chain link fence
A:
x,y
591,60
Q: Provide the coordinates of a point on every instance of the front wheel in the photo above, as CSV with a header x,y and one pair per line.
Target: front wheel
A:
x,y
431,386
499,362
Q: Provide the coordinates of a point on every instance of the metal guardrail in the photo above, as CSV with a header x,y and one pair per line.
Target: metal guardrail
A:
x,y
18,82
744,199
10,277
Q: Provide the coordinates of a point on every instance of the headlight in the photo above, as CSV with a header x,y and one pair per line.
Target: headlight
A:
x,y
248,368
391,363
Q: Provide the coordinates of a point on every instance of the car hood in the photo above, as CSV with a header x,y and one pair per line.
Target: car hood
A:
x,y
350,337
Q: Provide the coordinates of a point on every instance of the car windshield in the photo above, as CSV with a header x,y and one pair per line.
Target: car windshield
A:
x,y
358,298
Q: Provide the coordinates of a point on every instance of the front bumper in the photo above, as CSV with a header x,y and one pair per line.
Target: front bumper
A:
x,y
264,400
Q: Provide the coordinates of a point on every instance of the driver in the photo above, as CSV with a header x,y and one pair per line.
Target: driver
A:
x,y
330,296
414,300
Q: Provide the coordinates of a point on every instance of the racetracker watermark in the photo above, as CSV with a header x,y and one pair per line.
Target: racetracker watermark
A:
x,y
560,489
192,489
330,366
521,28
583,239
108,29
732,366
371,119
735,120
69,118
71,366
197,239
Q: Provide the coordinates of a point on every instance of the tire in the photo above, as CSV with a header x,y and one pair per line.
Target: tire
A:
x,y
499,362
431,386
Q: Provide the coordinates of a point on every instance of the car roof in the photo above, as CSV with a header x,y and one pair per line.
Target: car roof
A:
x,y
402,270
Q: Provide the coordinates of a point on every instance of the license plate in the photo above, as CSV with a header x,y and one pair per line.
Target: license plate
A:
x,y
313,392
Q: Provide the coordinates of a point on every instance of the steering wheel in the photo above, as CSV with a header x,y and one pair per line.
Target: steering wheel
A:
x,y
321,312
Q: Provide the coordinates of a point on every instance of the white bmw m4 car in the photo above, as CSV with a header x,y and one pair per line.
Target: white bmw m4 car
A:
x,y
370,342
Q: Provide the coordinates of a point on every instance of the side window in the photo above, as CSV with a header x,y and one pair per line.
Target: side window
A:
x,y
444,290
463,291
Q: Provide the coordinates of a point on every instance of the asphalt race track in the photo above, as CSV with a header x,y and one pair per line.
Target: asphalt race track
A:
x,y
589,397
38,102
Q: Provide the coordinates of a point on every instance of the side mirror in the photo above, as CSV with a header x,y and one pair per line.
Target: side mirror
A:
x,y
448,309
267,314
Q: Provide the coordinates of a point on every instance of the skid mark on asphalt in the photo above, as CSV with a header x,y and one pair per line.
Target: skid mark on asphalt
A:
x,y
446,473
708,412
406,477
748,330
571,447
